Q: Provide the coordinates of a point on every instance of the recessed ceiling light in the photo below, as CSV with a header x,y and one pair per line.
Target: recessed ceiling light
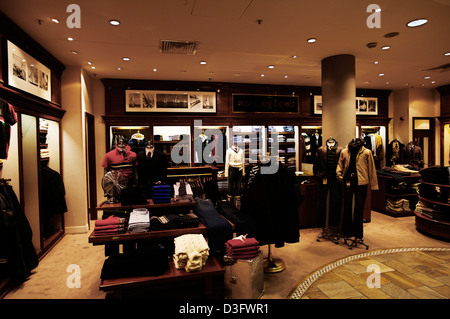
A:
x,y
126,59
312,40
416,23
271,66
70,39
114,22
55,20
386,47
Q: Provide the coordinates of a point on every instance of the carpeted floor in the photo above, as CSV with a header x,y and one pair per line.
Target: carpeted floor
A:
x,y
50,279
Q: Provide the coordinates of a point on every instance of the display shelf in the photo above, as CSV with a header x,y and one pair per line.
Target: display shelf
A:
x,y
380,196
434,226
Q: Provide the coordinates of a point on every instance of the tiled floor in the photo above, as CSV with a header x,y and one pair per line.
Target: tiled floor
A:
x,y
419,273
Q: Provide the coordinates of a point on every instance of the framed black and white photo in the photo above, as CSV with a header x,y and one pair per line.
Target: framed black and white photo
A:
x,y
170,101
363,105
28,74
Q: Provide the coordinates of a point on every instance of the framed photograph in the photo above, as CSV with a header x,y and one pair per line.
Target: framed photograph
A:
x,y
317,104
170,101
366,106
363,105
28,74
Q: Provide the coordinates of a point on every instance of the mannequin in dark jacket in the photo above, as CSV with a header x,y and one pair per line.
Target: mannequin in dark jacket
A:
x,y
152,166
325,164
412,155
272,202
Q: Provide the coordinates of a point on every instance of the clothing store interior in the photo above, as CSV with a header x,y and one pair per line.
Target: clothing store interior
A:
x,y
227,151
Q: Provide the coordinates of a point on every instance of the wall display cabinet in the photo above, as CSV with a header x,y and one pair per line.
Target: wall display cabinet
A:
x,y
251,138
288,148
174,142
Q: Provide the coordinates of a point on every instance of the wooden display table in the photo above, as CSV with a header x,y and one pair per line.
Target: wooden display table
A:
x,y
210,273
172,277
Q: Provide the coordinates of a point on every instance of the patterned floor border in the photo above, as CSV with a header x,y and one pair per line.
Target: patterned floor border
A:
x,y
303,286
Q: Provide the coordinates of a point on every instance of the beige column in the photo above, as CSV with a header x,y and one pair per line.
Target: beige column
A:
x,y
339,98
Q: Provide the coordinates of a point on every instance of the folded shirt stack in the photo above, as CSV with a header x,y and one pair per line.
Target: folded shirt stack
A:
x,y
191,252
242,248
139,220
110,226
162,194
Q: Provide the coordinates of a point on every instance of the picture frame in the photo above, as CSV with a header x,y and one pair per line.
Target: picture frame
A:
x,y
363,105
170,101
28,74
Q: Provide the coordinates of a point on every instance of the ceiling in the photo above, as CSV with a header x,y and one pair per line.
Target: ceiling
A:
x,y
239,39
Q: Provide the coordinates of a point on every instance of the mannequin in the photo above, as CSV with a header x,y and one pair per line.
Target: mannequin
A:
x,y
411,154
234,170
325,164
151,167
356,169
121,158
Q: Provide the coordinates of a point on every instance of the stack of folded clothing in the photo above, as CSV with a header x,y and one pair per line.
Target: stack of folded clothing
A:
x,y
162,194
182,191
174,221
110,226
139,220
242,248
191,252
398,205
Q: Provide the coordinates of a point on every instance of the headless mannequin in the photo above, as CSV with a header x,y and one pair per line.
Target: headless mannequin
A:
x,y
355,162
329,202
234,170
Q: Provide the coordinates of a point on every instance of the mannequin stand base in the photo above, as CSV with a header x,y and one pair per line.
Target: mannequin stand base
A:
x,y
328,235
273,265
355,242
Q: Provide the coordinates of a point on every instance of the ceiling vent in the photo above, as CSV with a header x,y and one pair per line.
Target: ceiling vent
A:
x,y
178,47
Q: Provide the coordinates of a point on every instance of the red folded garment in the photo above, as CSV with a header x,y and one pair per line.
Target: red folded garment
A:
x,y
111,220
109,227
244,242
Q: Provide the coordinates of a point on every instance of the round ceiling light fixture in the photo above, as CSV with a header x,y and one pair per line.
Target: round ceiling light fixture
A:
x,y
416,22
